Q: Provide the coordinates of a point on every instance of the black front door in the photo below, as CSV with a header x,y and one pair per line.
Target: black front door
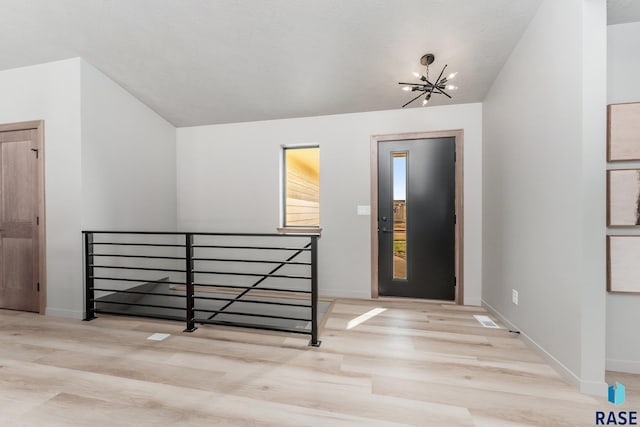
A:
x,y
416,218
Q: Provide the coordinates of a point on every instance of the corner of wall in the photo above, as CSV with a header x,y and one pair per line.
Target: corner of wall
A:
x,y
588,387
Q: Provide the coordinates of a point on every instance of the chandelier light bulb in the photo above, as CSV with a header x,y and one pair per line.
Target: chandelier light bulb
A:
x,y
406,88
425,101
416,75
452,87
452,75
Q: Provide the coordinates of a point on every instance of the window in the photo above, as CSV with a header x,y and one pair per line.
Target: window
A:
x,y
399,170
301,186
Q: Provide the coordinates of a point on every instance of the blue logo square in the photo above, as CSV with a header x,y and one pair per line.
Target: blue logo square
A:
x,y
616,394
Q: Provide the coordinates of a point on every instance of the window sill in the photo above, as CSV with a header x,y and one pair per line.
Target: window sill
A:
x,y
299,230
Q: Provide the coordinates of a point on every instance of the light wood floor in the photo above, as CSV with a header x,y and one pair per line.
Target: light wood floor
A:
x,y
416,363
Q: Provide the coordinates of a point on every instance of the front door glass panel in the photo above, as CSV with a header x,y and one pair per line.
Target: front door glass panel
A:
x,y
399,176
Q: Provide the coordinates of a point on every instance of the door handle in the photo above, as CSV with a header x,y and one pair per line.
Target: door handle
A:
x,y
386,230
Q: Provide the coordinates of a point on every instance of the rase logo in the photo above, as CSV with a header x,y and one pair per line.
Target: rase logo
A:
x,y
617,394
616,418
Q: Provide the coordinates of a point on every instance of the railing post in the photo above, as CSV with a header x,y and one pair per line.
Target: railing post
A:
x,y
89,293
190,314
314,293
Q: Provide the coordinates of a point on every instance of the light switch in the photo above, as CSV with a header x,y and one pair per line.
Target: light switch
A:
x,y
364,210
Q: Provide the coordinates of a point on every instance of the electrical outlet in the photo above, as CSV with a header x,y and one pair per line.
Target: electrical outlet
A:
x,y
514,296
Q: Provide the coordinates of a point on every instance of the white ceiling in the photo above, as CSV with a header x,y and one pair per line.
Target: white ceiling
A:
x,y
623,11
204,62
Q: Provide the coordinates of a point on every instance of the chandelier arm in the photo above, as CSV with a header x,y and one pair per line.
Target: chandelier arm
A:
x,y
437,80
431,85
441,72
414,84
414,99
443,92
438,88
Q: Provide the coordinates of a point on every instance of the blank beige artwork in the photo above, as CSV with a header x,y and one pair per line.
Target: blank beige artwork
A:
x,y
624,197
624,268
623,132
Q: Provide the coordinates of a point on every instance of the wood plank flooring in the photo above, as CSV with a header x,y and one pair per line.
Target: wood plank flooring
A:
x,y
416,363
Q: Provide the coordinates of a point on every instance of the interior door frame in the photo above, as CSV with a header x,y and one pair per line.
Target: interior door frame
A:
x,y
458,134
38,127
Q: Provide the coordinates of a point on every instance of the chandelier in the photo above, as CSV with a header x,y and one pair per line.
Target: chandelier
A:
x,y
426,87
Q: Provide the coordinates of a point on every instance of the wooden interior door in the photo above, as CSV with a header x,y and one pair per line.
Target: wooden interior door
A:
x,y
19,220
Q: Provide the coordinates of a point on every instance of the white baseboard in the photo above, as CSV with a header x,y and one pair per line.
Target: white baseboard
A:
x,y
594,388
62,312
343,293
628,366
473,302
586,387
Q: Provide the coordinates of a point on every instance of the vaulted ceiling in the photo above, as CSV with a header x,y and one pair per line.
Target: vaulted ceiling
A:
x,y
204,62
623,11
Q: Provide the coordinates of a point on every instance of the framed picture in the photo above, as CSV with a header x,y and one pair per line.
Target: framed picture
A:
x,y
623,198
623,268
623,132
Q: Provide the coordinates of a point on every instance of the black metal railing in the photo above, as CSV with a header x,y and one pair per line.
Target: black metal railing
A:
x,y
263,281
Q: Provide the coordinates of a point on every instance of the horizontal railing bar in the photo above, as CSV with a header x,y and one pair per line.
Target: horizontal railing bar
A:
x,y
135,280
252,261
137,292
273,248
165,245
251,287
239,313
253,326
288,304
151,316
159,233
258,234
202,234
138,256
135,268
232,273
138,304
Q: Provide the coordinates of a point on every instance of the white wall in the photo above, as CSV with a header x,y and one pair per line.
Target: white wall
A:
x,y
51,92
623,85
128,160
228,180
109,163
543,189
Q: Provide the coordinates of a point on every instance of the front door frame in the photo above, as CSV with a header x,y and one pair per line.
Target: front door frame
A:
x,y
38,127
458,134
